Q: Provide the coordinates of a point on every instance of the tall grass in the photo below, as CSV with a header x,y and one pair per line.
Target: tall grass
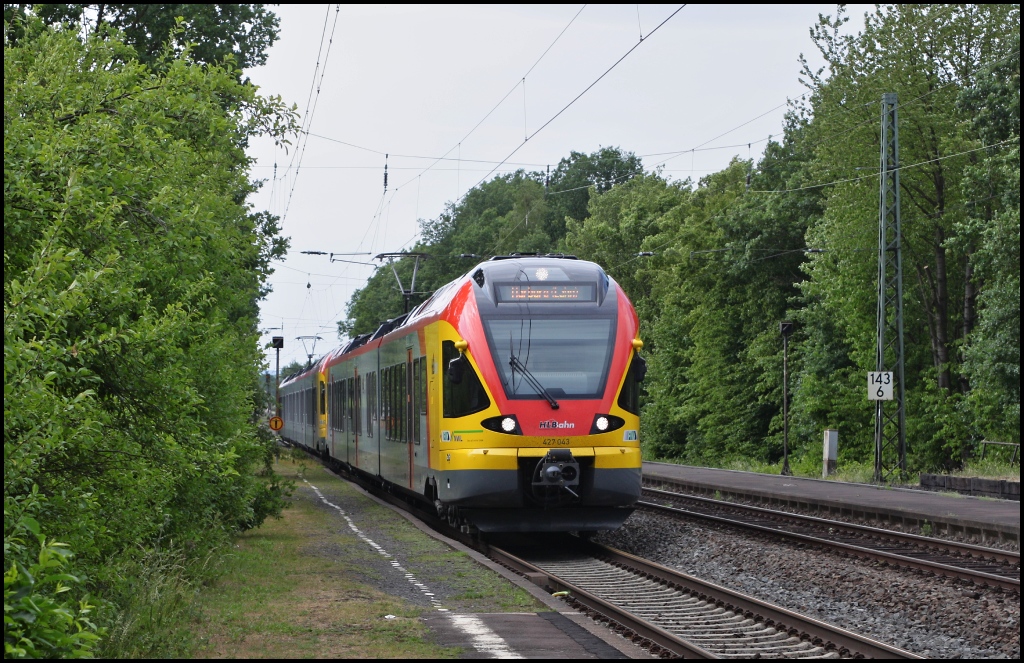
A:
x,y
154,603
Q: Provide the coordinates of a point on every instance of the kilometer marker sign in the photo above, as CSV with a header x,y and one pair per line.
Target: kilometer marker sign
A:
x,y
879,386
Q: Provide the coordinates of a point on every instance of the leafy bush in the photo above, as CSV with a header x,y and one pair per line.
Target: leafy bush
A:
x,y
132,273
41,617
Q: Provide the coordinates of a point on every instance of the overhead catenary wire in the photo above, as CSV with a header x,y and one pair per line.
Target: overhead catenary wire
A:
x,y
580,95
672,154
875,174
722,213
458,145
502,100
300,150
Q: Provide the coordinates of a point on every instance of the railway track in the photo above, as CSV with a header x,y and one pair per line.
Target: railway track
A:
x,y
674,614
982,566
670,613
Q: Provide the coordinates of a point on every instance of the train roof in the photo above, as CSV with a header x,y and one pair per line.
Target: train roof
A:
x,y
499,268
505,267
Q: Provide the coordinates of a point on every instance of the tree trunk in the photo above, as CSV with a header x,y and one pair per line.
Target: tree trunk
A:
x,y
941,310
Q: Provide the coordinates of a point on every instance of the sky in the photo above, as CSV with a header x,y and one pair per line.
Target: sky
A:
x,y
455,95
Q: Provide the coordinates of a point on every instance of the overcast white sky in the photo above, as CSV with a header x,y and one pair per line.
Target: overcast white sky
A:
x,y
415,81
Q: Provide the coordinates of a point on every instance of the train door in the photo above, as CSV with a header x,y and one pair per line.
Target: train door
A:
x,y
321,419
330,412
420,456
433,344
356,394
410,412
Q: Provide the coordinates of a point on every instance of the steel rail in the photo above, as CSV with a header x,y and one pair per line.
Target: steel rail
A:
x,y
653,633
722,602
780,618
965,549
984,578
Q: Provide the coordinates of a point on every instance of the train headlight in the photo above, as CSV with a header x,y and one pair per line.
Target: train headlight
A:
x,y
507,424
606,423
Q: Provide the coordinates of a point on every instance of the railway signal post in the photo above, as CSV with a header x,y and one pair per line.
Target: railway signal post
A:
x,y
277,342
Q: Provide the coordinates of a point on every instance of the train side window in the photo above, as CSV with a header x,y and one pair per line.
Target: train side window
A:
x,y
419,371
399,402
629,397
350,400
357,402
332,404
423,386
391,402
371,403
344,396
384,403
466,397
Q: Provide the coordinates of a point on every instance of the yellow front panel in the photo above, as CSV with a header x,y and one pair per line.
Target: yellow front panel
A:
x,y
479,459
539,452
616,457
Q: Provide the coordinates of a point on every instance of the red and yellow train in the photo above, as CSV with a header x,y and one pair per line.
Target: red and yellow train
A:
x,y
508,399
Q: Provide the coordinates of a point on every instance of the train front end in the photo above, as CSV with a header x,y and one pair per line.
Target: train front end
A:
x,y
540,428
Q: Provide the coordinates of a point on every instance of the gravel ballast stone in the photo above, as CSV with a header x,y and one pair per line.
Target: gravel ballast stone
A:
x,y
932,617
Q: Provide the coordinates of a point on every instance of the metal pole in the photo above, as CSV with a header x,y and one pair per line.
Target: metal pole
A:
x,y
890,427
785,407
277,343
785,328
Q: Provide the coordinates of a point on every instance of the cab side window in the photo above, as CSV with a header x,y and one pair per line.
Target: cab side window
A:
x,y
465,396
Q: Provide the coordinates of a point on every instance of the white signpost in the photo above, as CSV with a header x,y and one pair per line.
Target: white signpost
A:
x,y
879,386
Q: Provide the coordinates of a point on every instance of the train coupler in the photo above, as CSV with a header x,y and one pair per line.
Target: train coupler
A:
x,y
558,469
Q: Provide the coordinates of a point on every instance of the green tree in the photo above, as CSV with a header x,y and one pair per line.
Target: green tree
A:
x,y
132,274
579,176
926,54
992,229
211,32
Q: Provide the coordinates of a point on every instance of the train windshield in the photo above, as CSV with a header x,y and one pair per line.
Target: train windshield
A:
x,y
569,357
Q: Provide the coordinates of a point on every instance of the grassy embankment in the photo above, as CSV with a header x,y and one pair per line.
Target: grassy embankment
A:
x,y
303,586
988,468
996,466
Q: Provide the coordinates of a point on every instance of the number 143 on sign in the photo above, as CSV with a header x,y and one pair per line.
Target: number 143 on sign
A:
x,y
879,386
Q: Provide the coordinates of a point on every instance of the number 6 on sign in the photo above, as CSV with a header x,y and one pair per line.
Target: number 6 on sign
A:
x,y
879,386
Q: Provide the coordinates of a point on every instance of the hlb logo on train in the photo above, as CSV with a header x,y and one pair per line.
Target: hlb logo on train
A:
x,y
629,436
446,436
556,424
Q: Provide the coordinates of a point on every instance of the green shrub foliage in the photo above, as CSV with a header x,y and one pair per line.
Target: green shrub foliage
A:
x,y
132,273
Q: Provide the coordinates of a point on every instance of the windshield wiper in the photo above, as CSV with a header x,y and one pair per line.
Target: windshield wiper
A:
x,y
517,365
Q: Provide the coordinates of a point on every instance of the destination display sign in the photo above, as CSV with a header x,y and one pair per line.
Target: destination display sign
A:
x,y
519,293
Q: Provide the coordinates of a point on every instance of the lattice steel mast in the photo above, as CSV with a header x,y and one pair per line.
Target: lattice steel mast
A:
x,y
890,428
